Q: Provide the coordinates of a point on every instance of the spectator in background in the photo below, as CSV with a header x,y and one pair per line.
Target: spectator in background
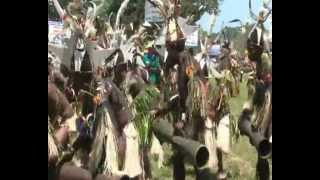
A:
x,y
151,59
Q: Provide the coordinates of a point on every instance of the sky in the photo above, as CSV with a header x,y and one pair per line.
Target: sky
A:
x,y
232,9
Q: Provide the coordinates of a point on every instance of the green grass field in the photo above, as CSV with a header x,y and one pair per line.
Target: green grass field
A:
x,y
240,163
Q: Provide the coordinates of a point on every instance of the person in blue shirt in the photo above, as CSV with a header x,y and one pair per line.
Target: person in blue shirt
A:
x,y
151,59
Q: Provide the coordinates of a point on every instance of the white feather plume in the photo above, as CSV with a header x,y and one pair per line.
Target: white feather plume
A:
x,y
121,10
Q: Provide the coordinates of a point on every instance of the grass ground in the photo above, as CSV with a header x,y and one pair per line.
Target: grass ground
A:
x,y
240,163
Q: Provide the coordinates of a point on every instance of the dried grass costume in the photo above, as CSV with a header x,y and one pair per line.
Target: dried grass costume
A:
x,y
113,133
207,96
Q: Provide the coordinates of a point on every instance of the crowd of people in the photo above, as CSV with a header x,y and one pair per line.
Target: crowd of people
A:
x,y
115,100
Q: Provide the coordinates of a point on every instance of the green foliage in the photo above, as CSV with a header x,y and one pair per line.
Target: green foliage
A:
x,y
198,7
135,10
142,105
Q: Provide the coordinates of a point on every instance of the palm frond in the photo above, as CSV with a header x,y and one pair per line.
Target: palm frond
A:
x,y
142,105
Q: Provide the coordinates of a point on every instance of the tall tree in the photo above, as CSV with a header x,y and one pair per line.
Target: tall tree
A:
x,y
135,10
196,8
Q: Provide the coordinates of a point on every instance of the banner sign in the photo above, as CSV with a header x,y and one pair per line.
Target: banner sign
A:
x,y
56,33
192,39
190,32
